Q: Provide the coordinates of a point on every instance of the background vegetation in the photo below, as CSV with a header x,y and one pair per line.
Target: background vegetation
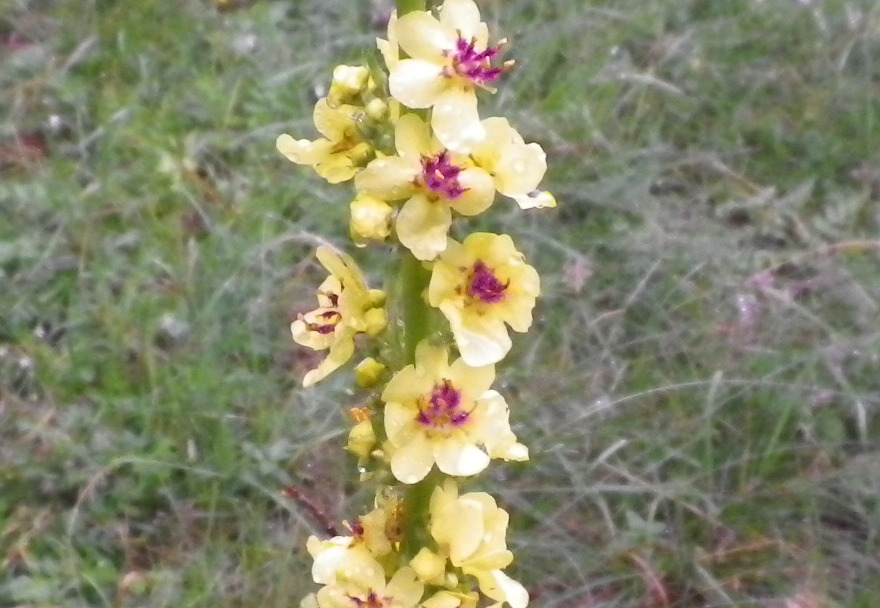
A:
x,y
701,396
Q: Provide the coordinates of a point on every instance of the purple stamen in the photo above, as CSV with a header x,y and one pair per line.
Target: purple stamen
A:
x,y
441,176
484,285
475,65
443,407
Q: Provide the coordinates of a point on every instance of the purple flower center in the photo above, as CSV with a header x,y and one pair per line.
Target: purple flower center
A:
x,y
472,64
441,176
484,285
371,601
326,322
443,408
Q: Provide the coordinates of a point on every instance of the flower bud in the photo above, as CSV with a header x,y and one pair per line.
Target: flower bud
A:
x,y
370,218
348,82
361,439
368,372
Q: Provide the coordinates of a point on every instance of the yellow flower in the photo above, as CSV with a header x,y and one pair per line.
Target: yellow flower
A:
x,y
353,577
448,58
345,308
471,530
379,530
445,414
516,167
480,285
431,180
337,156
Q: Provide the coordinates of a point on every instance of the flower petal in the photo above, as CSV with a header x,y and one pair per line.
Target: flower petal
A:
x,y
422,36
481,340
479,195
459,459
463,16
399,421
520,170
389,178
501,587
422,226
412,461
412,137
303,151
455,119
416,83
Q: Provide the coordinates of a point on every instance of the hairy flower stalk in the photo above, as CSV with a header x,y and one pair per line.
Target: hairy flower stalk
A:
x,y
422,161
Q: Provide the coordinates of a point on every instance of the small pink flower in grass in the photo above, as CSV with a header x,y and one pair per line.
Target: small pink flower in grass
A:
x,y
443,414
482,286
432,181
448,59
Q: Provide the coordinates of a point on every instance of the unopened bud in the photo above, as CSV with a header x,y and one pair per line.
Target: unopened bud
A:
x,y
368,372
370,218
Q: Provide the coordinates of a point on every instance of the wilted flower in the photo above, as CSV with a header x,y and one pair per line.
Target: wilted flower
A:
x,y
341,153
345,308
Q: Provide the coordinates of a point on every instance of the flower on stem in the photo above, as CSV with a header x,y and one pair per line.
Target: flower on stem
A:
x,y
341,153
516,167
345,308
481,286
432,180
445,414
353,578
448,59
471,529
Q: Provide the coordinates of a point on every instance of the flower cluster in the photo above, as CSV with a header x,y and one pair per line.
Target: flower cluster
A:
x,y
411,139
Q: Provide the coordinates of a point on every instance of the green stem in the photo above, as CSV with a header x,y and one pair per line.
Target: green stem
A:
x,y
414,327
413,309
408,6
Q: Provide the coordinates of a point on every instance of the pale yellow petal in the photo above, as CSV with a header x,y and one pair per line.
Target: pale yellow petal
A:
x,y
431,361
416,83
502,588
412,461
399,423
406,386
479,195
463,16
474,381
412,137
535,200
422,36
422,226
389,178
404,588
481,340
463,521
520,170
455,118
459,458
303,151
339,354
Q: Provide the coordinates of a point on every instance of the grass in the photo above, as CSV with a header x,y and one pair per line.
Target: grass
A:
x,y
699,393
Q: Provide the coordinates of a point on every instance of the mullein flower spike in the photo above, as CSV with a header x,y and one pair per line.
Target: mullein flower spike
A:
x,y
420,158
